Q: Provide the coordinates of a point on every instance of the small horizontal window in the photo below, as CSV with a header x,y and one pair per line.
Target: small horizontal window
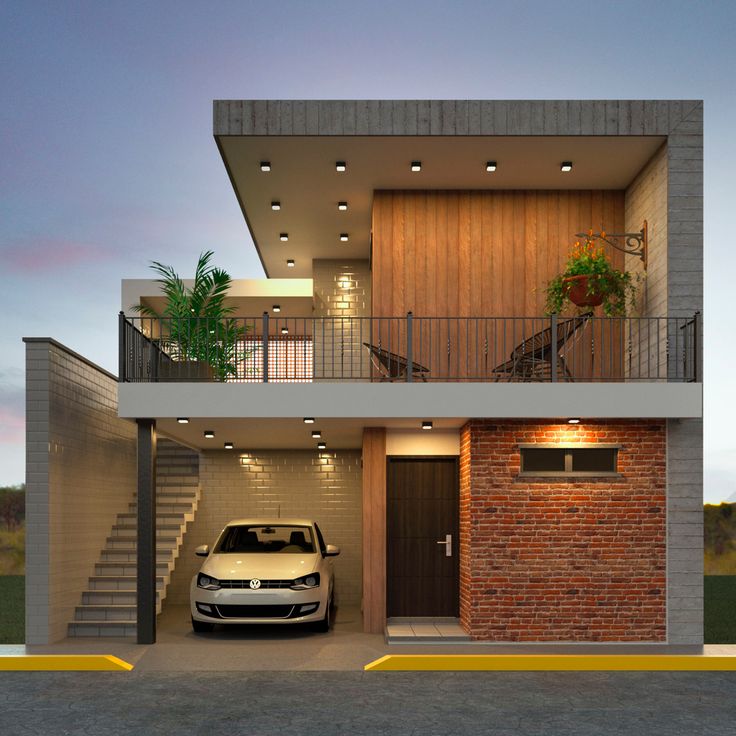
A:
x,y
569,461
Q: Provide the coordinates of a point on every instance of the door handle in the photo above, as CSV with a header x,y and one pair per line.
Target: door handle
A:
x,y
447,541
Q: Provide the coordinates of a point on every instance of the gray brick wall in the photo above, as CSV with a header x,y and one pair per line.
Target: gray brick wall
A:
x,y
325,487
80,473
685,531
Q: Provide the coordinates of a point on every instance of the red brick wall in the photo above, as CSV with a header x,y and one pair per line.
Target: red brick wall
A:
x,y
549,560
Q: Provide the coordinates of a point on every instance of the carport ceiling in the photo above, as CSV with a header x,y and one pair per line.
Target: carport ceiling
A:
x,y
277,434
304,181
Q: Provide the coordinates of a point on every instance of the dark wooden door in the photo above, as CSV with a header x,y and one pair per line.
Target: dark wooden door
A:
x,y
421,510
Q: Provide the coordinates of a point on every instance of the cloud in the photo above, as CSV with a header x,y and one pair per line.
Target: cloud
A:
x,y
51,254
12,426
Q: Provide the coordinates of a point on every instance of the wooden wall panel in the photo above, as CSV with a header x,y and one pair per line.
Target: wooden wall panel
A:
x,y
374,530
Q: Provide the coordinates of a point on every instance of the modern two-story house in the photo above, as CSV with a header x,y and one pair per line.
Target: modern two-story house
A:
x,y
537,477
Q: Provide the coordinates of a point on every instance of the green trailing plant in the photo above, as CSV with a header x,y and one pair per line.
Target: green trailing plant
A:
x,y
196,324
618,288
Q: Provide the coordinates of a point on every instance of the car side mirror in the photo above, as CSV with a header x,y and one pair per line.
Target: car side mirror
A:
x,y
332,550
202,551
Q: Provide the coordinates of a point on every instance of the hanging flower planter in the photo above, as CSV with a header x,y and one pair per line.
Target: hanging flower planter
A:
x,y
579,292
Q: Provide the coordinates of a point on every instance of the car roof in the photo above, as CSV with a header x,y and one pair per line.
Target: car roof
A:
x,y
270,521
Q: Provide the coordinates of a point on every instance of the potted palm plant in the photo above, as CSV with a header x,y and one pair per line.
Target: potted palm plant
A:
x,y
195,329
589,280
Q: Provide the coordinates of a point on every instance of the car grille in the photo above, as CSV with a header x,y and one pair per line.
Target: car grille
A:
x,y
267,584
282,611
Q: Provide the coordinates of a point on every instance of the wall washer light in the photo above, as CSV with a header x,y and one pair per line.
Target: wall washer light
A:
x,y
416,165
426,425
229,445
317,434
290,263
183,420
342,206
209,433
573,420
566,166
283,237
308,420
321,445
265,166
491,166
343,237
341,166
275,206
276,308
284,330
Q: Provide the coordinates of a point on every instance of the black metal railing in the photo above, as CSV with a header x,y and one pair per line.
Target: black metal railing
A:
x,y
455,349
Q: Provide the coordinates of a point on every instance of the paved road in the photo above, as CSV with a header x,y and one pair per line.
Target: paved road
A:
x,y
348,703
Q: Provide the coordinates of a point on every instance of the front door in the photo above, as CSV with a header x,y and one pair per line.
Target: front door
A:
x,y
422,536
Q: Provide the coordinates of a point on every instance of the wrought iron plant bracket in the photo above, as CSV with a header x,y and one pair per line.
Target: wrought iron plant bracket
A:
x,y
634,244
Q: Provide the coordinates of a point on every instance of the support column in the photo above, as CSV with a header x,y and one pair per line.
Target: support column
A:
x,y
374,530
146,546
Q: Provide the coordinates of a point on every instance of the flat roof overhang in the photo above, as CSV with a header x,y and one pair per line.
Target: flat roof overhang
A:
x,y
304,180
277,410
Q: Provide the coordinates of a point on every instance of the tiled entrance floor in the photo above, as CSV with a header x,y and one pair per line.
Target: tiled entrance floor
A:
x,y
424,630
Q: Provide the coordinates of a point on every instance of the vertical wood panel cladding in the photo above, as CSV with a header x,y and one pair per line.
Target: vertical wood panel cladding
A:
x,y
479,253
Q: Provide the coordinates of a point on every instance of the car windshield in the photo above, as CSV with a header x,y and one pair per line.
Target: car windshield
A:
x,y
259,539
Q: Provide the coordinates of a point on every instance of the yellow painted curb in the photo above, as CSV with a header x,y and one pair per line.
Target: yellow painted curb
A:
x,y
550,662
62,662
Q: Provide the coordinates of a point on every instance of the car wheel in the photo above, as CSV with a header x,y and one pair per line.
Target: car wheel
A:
x,y
201,627
323,626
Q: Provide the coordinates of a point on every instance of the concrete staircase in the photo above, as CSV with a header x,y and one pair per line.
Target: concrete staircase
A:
x,y
108,606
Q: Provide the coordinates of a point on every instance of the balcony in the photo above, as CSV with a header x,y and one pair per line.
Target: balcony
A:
x,y
553,349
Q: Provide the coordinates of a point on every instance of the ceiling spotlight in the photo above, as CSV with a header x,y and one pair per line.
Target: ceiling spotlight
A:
x,y
573,420
183,420
276,308
340,166
566,166
490,166
426,425
342,206
317,434
275,206
290,263
321,445
265,166
344,237
229,445
284,330
416,165
283,237
209,433
308,420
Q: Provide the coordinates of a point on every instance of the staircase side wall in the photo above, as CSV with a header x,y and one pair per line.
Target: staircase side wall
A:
x,y
80,472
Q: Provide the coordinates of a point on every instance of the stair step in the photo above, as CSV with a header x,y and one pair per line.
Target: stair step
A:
x,y
130,555
174,495
114,612
130,568
112,597
128,542
101,628
165,507
119,582
131,530
166,517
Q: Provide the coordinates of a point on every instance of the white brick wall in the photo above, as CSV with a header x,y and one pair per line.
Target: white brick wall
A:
x,y
80,473
325,487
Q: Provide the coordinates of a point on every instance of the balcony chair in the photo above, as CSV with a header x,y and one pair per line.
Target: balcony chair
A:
x,y
531,360
393,367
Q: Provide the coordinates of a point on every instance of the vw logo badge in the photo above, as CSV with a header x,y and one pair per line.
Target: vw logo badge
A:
x,y
255,584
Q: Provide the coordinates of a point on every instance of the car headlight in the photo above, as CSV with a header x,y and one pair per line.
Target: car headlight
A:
x,y
208,583
306,582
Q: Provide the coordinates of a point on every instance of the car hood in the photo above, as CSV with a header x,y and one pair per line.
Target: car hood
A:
x,y
269,566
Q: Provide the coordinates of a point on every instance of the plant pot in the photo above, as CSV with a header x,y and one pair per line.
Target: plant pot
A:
x,y
577,292
185,371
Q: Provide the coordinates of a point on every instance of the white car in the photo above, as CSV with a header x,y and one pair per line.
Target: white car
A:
x,y
264,571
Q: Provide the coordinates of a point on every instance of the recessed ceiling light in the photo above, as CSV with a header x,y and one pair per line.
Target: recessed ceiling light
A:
x,y
344,237
276,308
275,206
265,166
229,445
290,263
317,434
566,166
209,433
284,330
573,420
183,420
342,206
321,445
308,420
416,165
426,425
490,166
283,237
340,166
